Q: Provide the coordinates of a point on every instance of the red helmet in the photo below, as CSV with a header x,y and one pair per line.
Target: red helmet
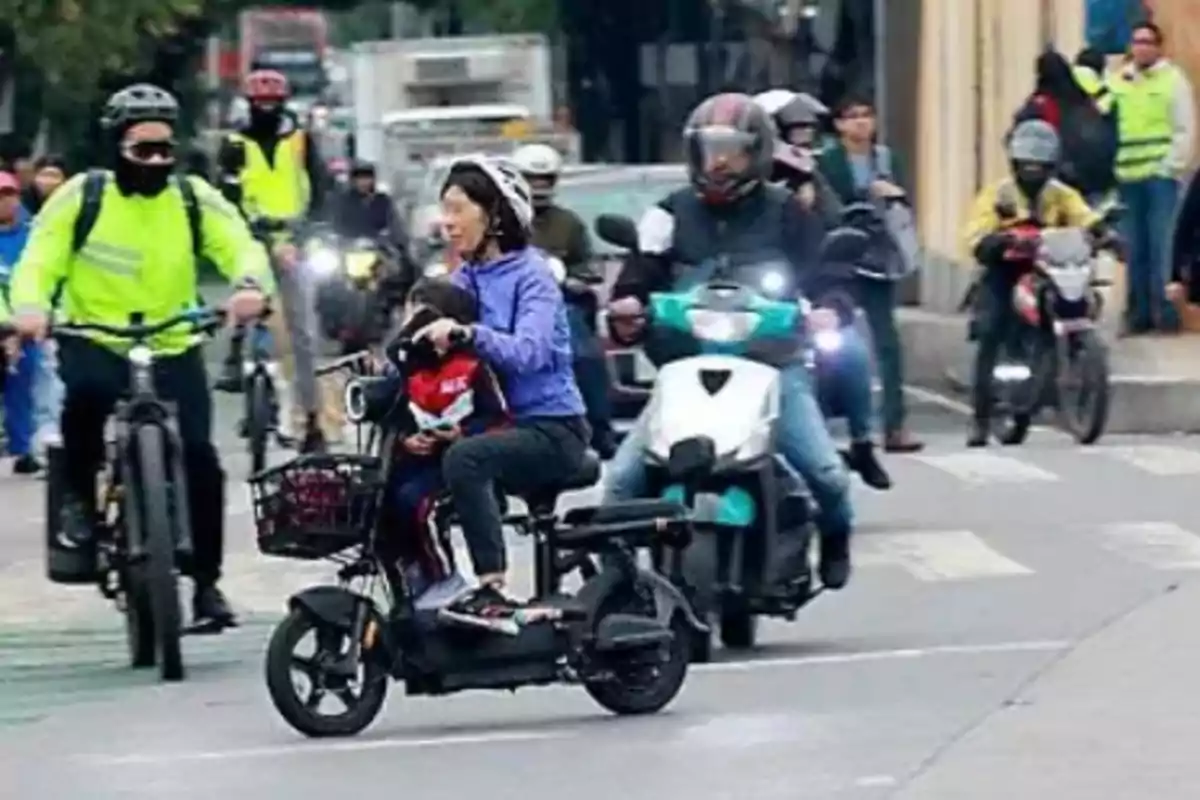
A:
x,y
268,85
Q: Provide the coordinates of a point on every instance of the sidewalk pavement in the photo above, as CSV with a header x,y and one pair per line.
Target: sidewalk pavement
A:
x,y
1155,379
1117,718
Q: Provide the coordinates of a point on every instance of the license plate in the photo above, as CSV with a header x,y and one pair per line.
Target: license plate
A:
x,y
1073,325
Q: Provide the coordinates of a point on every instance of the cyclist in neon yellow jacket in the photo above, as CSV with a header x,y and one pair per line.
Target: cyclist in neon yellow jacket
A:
x,y
139,258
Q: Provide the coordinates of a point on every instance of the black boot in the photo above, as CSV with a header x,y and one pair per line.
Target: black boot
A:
x,y
314,440
862,459
211,612
835,561
978,433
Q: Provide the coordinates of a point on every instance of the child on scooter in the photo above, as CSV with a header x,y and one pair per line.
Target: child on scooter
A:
x,y
447,397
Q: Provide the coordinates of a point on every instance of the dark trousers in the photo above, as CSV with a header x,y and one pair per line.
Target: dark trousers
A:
x,y
536,452
591,374
994,324
95,378
415,486
878,302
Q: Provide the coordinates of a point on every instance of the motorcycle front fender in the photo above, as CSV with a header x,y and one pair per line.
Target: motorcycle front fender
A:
x,y
668,600
332,605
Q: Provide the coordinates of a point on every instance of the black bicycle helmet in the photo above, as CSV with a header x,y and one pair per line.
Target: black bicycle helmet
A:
x,y
142,102
362,168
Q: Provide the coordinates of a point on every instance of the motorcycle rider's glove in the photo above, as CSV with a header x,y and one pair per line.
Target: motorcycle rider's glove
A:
x,y
990,249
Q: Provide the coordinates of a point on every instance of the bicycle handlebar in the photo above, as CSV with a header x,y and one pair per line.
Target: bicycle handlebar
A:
x,y
204,320
358,363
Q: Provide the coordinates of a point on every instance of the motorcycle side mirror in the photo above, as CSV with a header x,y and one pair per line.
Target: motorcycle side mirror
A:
x,y
844,246
617,230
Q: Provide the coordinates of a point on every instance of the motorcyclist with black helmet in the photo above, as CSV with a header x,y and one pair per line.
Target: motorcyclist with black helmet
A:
x,y
730,210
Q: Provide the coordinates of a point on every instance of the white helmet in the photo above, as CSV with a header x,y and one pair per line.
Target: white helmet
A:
x,y
539,161
508,179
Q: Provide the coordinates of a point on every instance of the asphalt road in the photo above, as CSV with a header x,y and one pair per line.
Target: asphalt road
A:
x,y
997,623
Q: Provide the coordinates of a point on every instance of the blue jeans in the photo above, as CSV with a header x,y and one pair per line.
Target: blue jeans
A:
x,y
18,400
1149,214
847,377
803,441
48,392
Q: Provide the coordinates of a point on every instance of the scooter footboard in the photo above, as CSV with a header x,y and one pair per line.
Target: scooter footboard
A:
x,y
639,523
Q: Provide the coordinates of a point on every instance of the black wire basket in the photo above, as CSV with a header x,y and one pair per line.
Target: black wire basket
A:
x,y
316,506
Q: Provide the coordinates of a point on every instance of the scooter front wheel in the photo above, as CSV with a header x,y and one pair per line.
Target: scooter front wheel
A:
x,y
359,695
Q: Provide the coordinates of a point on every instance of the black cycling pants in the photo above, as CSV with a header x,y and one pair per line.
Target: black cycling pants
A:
x,y
94,378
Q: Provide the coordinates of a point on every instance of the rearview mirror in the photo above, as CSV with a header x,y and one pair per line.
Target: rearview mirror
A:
x,y
617,230
1006,209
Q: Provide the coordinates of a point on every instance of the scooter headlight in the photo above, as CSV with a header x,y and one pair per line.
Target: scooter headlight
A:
x,y
323,261
828,341
773,283
722,326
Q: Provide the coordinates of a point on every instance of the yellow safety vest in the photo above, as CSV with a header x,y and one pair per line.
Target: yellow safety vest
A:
x,y
1145,123
281,191
1095,86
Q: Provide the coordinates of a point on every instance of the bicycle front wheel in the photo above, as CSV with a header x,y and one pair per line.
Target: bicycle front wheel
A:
x,y
153,577
259,410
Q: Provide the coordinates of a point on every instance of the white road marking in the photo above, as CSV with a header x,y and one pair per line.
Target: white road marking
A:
x,y
938,399
1157,459
937,556
1159,545
986,469
312,749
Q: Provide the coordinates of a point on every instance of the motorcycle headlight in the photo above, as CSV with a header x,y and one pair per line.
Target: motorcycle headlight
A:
x,y
323,261
773,283
828,341
721,326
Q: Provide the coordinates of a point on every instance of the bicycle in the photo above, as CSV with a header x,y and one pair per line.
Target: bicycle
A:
x,y
261,396
143,529
356,365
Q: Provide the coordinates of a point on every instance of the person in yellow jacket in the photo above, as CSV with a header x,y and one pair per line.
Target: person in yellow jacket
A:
x,y
1156,123
1030,194
139,258
272,170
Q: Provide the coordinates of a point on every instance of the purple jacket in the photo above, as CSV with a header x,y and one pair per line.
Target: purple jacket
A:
x,y
523,333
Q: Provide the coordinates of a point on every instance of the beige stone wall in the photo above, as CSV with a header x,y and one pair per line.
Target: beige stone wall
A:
x,y
977,60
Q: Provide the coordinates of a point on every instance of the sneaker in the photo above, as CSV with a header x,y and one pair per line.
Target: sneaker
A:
x,y
978,433
26,465
77,525
441,593
484,607
835,561
314,442
211,612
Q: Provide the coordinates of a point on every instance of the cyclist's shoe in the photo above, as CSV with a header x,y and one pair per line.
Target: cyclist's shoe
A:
x,y
78,525
211,612
26,465
230,379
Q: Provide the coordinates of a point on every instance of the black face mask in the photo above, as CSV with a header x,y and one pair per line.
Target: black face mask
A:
x,y
1030,178
264,120
148,180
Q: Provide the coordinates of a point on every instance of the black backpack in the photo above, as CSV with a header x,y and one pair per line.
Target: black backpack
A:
x,y
1089,147
93,199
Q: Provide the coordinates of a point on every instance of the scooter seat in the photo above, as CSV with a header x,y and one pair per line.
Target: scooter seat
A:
x,y
543,497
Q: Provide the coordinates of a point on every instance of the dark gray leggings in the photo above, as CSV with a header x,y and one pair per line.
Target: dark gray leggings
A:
x,y
535,452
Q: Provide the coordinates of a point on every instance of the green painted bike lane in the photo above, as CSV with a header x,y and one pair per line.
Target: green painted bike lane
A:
x,y
44,671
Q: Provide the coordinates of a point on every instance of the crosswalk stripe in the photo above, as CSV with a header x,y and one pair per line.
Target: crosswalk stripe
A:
x,y
936,556
986,469
1159,545
1156,459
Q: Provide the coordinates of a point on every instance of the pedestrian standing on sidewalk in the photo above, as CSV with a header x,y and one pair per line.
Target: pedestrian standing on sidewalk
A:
x,y
859,169
22,375
50,172
1156,119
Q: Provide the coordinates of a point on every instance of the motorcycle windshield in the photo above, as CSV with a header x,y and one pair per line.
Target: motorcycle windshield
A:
x,y
1065,247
